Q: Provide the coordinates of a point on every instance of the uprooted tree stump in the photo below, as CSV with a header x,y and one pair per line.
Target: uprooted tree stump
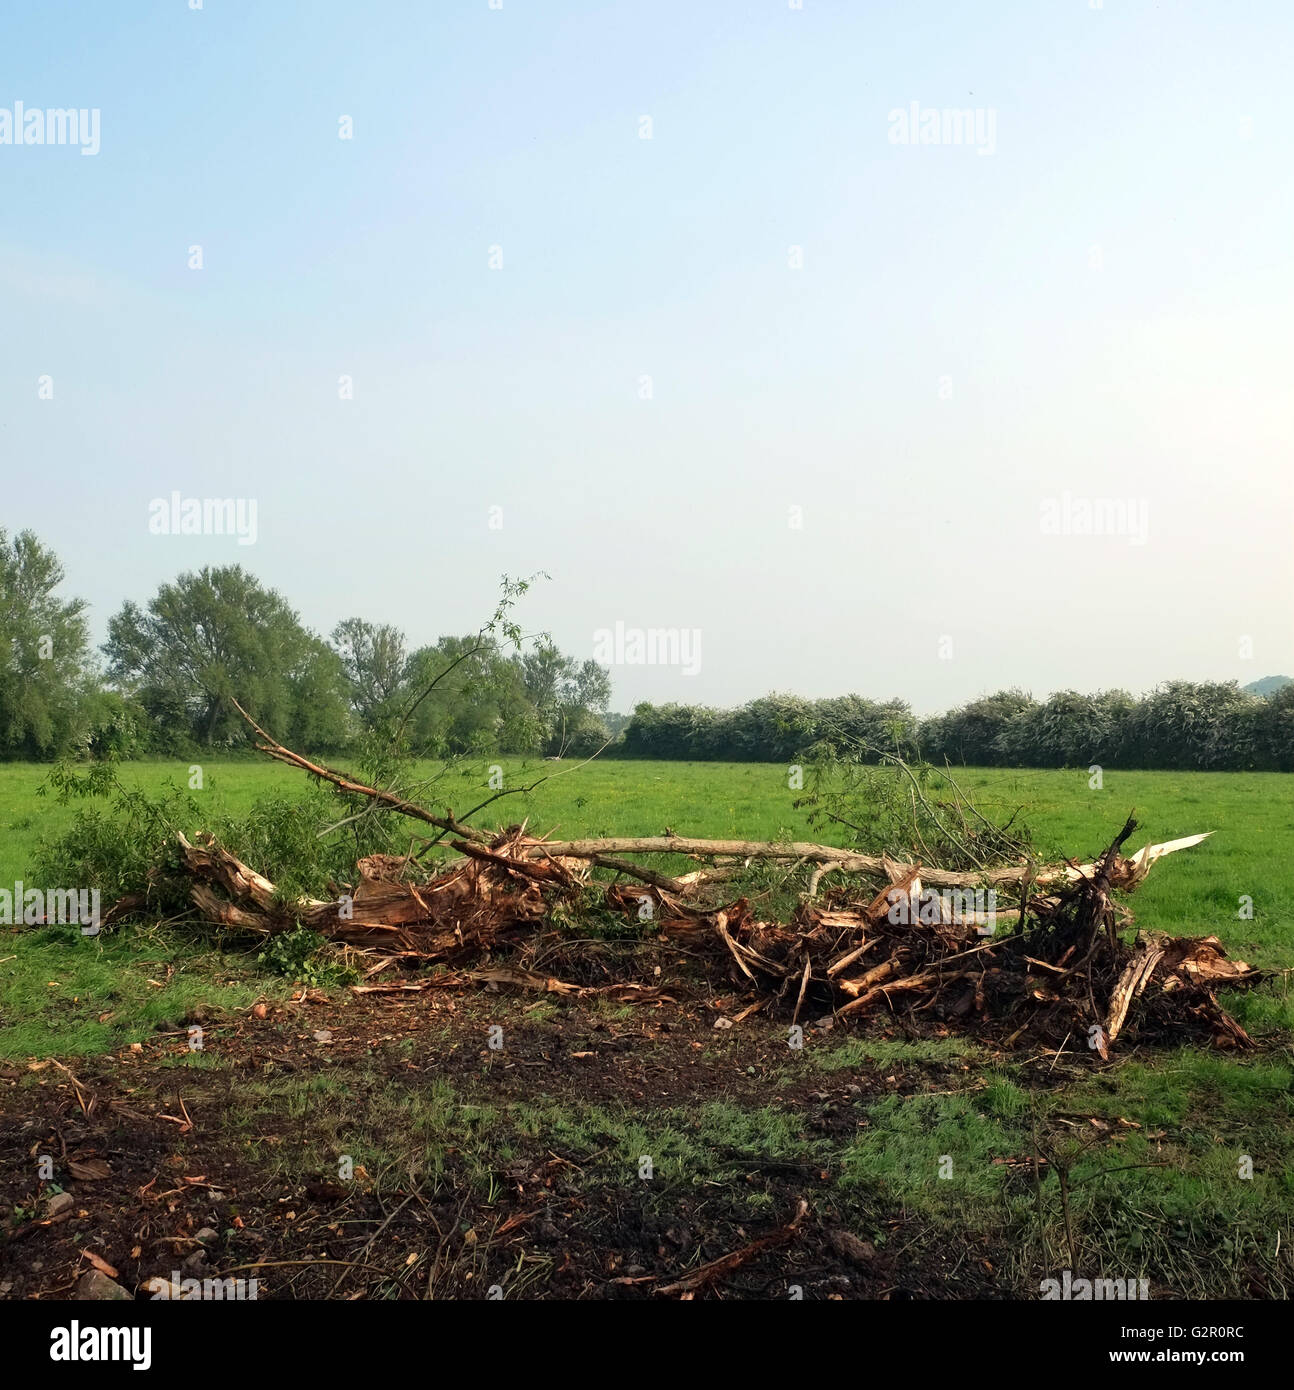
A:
x,y
1055,968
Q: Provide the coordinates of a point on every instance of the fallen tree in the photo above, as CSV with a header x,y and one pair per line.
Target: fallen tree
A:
x,y
1060,970
887,936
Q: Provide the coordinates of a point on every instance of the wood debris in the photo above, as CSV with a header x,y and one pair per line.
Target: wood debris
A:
x,y
886,939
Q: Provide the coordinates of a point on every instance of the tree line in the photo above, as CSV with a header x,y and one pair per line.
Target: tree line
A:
x,y
1205,726
165,682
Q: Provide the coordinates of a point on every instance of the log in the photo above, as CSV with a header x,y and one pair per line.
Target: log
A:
x,y
500,897
1122,871
1135,977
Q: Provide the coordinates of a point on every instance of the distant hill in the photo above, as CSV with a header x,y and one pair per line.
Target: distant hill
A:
x,y
1268,685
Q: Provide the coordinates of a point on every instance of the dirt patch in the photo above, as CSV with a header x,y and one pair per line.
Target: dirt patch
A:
x,y
473,1167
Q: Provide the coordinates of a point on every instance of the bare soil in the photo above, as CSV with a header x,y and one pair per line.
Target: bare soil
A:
x,y
246,1144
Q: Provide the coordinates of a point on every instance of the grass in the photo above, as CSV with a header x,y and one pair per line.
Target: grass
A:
x,y
69,995
1201,891
887,1051
428,1132
932,1152
1178,1125
1164,1191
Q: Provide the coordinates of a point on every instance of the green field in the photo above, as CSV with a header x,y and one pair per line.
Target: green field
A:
x,y
1173,1124
1197,892
1251,815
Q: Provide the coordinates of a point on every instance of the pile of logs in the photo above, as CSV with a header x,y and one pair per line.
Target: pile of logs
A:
x,y
883,937
886,938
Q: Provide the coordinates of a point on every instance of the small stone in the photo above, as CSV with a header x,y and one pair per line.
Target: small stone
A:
x,y
723,1022
323,1035
849,1247
60,1201
207,1233
96,1286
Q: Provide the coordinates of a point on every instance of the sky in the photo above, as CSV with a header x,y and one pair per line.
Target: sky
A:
x,y
712,310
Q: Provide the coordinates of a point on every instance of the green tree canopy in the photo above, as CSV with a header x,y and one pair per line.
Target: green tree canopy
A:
x,y
217,636
46,676
373,658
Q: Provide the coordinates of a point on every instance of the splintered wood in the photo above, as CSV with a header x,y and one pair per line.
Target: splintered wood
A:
x,y
921,943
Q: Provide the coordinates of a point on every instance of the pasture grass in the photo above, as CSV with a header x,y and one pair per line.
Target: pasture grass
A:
x,y
1238,885
1184,1119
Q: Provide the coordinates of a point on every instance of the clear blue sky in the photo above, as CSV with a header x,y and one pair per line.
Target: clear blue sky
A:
x,y
1101,306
